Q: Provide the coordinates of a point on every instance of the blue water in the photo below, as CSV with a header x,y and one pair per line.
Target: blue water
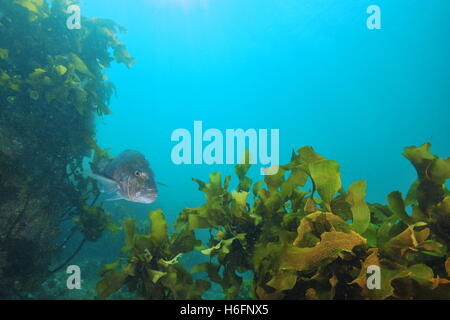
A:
x,y
309,68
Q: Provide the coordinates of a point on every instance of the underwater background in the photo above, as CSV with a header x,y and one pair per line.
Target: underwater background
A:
x,y
310,68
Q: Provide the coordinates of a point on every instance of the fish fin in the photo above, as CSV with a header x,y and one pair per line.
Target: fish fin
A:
x,y
109,185
115,197
162,184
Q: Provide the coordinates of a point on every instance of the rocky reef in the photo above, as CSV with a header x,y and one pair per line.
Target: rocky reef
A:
x,y
52,86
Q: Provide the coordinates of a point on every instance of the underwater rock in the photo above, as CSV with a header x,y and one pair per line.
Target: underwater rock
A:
x,y
10,144
46,128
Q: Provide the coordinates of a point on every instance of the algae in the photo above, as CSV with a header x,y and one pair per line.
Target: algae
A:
x,y
300,246
50,94
152,269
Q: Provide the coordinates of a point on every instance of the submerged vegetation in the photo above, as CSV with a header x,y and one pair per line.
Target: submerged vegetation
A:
x,y
300,244
152,268
52,86
296,241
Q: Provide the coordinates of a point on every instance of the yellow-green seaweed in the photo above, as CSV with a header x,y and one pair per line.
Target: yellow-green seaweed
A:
x,y
299,246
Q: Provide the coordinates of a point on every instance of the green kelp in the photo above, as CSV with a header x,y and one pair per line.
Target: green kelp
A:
x,y
152,269
317,243
52,86
287,233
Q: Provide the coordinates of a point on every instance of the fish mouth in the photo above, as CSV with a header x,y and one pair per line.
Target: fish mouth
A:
x,y
146,196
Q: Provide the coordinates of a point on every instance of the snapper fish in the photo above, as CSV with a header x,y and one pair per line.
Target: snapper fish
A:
x,y
128,177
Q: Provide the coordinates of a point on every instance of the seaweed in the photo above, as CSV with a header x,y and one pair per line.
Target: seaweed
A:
x,y
152,269
319,243
296,242
50,93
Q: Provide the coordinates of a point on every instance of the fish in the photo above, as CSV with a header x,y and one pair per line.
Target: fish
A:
x,y
127,176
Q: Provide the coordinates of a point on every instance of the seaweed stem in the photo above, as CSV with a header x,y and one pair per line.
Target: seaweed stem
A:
x,y
69,258
67,239
18,218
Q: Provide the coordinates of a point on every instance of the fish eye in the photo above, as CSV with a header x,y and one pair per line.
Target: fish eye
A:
x,y
138,173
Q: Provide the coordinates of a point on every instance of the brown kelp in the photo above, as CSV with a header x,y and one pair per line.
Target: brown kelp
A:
x,y
152,269
50,93
303,243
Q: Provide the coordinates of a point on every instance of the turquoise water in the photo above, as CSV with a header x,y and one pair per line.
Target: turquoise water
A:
x,y
310,68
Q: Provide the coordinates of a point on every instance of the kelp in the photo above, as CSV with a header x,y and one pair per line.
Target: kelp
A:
x,y
152,268
319,243
52,86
